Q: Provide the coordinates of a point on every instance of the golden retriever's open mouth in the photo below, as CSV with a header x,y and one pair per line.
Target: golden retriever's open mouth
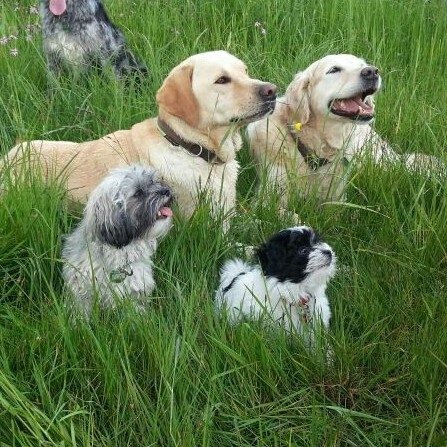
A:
x,y
355,108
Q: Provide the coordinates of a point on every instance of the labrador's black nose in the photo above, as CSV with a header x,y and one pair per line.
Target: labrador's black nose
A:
x,y
370,73
267,91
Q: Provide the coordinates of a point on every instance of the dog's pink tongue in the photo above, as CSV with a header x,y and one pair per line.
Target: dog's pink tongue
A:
x,y
166,211
362,104
58,7
353,106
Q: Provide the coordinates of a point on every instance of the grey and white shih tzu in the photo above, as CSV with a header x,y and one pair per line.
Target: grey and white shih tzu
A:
x,y
77,34
109,255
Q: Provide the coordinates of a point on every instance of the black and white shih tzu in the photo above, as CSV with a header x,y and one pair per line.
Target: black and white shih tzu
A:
x,y
287,286
77,34
109,255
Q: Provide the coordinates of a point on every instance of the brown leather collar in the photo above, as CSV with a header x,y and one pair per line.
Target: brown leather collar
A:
x,y
192,148
310,157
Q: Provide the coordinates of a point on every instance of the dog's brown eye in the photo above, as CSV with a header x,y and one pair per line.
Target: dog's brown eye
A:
x,y
333,70
223,80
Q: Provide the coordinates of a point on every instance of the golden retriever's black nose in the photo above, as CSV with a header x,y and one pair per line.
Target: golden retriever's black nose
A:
x,y
267,91
370,73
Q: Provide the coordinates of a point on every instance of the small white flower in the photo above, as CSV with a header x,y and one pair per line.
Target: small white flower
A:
x,y
12,37
33,10
4,40
14,52
262,30
29,38
30,28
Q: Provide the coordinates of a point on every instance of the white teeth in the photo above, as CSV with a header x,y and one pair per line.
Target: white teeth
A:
x,y
159,214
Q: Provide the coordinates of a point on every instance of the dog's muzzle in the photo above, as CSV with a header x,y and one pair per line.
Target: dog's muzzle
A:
x,y
165,211
264,110
358,107
267,93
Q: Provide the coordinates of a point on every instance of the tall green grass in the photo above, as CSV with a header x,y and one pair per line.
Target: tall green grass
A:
x,y
180,376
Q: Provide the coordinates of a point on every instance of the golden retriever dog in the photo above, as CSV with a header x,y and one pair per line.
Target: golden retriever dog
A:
x,y
202,103
320,126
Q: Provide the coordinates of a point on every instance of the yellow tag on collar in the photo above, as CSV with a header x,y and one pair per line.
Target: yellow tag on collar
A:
x,y
297,126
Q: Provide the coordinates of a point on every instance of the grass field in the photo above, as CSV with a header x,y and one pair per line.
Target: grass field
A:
x,y
179,376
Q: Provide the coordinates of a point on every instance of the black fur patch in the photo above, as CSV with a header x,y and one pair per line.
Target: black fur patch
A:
x,y
101,15
227,288
285,255
120,231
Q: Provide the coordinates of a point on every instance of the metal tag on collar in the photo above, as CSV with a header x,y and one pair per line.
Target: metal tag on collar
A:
x,y
314,162
119,275
201,150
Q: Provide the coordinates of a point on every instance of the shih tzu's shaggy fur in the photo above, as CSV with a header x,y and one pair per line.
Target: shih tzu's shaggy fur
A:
x,y
288,286
109,254
77,34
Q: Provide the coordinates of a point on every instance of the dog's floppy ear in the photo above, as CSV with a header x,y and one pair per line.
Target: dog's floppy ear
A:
x,y
271,254
297,97
113,225
261,254
176,95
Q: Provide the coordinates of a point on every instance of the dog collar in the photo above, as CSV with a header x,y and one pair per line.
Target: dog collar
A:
x,y
120,274
310,157
193,148
302,306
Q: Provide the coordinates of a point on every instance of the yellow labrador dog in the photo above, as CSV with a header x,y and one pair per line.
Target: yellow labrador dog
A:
x,y
320,125
193,143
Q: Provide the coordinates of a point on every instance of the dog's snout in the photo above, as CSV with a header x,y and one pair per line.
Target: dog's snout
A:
x,y
370,73
267,91
165,192
327,253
